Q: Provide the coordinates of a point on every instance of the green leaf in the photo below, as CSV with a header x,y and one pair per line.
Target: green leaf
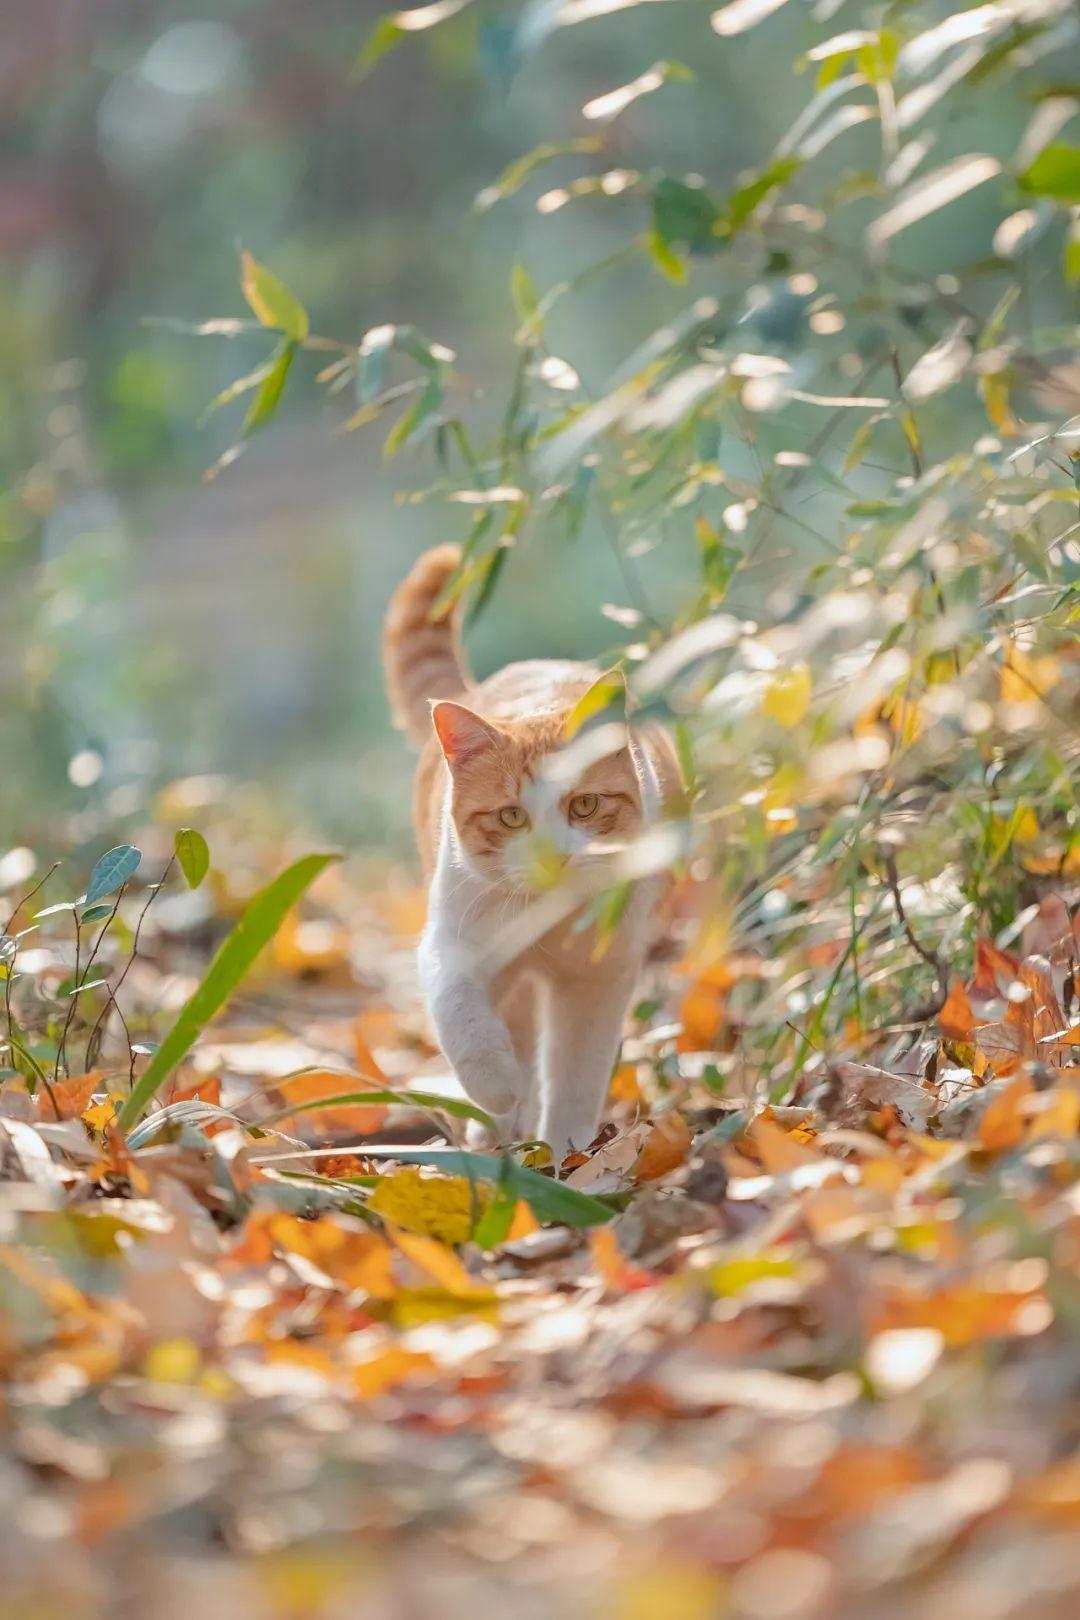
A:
x,y
684,214
523,292
741,203
411,421
96,913
515,175
1055,173
666,260
193,853
605,698
111,871
258,925
271,301
240,385
684,749
383,37
266,400
1072,259
498,1217
388,31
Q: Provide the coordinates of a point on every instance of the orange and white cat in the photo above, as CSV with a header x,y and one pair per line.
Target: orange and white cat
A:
x,y
533,1039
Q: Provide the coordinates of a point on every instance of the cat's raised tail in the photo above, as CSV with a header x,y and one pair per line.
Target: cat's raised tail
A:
x,y
422,653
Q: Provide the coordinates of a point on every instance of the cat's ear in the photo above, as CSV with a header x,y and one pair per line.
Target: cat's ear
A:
x,y
462,735
604,702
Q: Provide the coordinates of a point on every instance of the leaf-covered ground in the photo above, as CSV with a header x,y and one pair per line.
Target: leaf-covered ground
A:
x,y
772,1363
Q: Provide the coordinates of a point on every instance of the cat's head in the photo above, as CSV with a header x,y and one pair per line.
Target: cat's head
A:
x,y
525,800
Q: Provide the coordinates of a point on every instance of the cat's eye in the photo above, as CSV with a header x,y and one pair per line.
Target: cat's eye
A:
x,y
583,805
513,817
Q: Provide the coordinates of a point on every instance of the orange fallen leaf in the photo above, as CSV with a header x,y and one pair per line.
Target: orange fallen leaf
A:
x,y
780,1150
361,1118
439,1261
359,1260
991,963
523,1224
624,1086
67,1099
206,1089
1002,1126
956,1017
613,1266
306,946
701,1015
392,1366
665,1147
964,1313
1055,1115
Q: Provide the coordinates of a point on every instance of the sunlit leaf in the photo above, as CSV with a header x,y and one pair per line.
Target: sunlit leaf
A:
x,y
739,15
1055,173
787,697
270,389
932,192
271,301
193,854
603,109
445,1207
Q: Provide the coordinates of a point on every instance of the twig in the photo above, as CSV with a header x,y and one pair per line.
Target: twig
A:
x,y
155,889
932,958
912,443
6,931
61,1050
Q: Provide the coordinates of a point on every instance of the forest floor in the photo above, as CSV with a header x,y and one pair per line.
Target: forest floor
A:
x,y
805,1362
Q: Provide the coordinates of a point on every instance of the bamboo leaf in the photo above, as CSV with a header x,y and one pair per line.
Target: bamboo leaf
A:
x,y
271,301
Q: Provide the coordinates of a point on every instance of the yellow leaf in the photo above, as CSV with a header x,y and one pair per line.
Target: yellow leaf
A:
x,y
730,1277
443,1207
607,693
672,1587
788,696
1024,679
98,1115
173,1361
413,1307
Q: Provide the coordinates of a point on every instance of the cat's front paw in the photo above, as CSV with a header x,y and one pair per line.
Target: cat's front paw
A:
x,y
495,1085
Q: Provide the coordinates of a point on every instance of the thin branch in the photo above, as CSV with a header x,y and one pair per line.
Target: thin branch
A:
x,y
155,890
932,958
